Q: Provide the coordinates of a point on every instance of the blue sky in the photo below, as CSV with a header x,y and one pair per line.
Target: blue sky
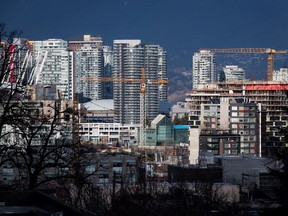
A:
x,y
179,26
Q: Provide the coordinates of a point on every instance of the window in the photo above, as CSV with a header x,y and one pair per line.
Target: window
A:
x,y
103,178
130,164
234,114
104,163
117,164
234,120
244,145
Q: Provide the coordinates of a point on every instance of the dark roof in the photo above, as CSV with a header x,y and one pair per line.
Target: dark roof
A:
x,y
35,203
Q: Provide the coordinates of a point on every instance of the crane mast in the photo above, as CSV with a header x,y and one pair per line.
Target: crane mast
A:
x,y
143,84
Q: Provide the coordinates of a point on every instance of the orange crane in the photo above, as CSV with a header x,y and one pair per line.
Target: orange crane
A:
x,y
269,51
143,83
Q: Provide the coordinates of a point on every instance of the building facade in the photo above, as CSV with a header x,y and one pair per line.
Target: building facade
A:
x,y
272,97
204,68
129,58
232,73
108,133
88,61
280,75
52,64
231,126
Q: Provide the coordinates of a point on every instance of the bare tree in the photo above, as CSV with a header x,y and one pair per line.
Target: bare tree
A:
x,y
37,135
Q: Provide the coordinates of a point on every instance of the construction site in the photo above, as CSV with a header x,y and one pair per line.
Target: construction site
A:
x,y
270,94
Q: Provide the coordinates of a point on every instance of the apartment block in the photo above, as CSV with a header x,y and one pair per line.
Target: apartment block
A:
x,y
280,75
204,68
90,60
129,58
270,94
52,64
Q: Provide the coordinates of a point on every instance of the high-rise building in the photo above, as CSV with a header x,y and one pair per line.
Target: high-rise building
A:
x,y
204,68
162,72
129,58
232,73
88,61
280,75
55,68
107,87
17,61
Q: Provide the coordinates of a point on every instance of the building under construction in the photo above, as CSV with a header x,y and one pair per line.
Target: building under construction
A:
x,y
271,95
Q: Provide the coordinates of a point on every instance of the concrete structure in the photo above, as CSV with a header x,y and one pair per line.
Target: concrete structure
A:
x,y
129,57
97,127
204,68
194,147
230,117
219,143
97,111
271,95
229,126
109,133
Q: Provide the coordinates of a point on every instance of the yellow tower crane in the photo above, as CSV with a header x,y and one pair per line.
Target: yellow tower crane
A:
x,y
143,83
269,51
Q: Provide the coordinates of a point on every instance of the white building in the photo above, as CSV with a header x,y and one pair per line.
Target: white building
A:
x,y
109,133
204,68
52,65
280,75
97,127
233,72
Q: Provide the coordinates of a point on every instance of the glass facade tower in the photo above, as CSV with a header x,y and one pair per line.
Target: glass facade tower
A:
x,y
129,57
